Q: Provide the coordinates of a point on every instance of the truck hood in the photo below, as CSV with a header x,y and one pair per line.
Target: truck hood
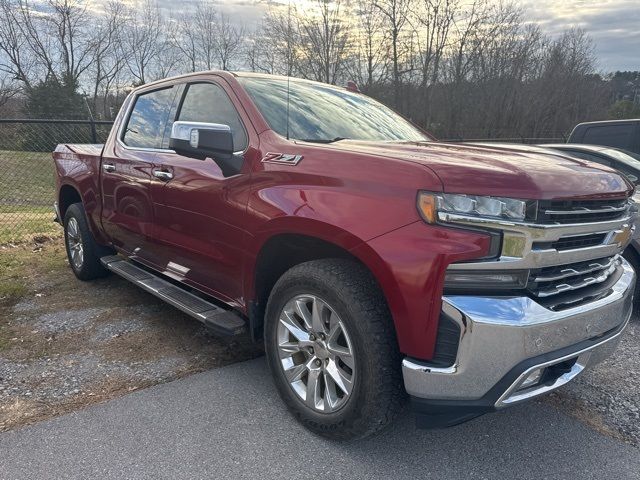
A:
x,y
517,171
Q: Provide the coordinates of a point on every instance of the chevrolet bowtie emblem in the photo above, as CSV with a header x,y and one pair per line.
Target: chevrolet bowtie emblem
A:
x,y
622,237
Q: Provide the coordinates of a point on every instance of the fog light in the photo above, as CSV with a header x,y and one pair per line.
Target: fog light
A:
x,y
486,279
533,378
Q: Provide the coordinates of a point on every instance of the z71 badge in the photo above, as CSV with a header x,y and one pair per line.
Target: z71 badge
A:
x,y
286,158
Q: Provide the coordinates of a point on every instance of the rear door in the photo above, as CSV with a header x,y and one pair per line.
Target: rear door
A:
x,y
129,173
201,219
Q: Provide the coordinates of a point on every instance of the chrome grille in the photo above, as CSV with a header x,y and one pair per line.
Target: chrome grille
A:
x,y
551,281
570,253
579,241
580,211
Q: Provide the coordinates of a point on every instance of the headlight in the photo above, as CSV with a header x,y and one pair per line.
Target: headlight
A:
x,y
430,204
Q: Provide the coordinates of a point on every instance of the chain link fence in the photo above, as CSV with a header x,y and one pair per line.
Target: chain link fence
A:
x,y
27,182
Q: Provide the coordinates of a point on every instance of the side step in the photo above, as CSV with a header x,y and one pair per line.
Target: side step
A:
x,y
221,321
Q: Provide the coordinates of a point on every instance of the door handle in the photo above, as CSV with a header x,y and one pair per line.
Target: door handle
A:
x,y
108,167
162,175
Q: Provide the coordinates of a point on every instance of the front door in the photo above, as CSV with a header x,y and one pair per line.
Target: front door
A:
x,y
200,213
129,174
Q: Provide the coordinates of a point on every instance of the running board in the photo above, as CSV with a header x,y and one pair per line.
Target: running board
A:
x,y
221,321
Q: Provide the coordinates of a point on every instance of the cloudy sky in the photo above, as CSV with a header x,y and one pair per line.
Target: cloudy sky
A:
x,y
614,25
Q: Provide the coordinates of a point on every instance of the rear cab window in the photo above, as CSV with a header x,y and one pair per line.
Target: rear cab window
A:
x,y
619,136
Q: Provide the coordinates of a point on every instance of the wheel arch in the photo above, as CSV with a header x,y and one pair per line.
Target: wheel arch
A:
x,y
70,193
278,250
67,196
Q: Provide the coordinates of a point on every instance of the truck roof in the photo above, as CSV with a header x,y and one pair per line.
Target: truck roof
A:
x,y
235,74
596,122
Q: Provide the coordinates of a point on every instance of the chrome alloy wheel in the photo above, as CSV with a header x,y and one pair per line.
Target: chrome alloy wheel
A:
x,y
74,242
316,353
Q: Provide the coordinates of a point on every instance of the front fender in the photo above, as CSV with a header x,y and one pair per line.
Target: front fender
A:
x,y
409,264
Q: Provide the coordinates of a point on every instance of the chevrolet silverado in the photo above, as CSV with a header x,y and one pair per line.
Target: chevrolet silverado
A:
x,y
373,261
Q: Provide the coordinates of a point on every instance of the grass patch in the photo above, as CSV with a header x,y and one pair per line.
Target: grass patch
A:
x,y
5,337
12,290
18,265
27,178
22,224
27,192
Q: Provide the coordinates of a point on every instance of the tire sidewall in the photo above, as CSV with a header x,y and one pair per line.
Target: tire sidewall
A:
x,y
73,213
284,292
91,267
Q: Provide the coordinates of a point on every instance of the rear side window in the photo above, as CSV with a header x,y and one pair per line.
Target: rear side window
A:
x,y
146,125
209,103
620,136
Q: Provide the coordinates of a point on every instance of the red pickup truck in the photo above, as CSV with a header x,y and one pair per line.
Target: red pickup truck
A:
x,y
372,260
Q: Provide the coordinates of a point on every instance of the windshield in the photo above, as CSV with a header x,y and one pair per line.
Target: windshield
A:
x,y
323,113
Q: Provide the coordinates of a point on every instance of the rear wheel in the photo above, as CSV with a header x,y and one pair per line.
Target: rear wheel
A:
x,y
332,349
83,252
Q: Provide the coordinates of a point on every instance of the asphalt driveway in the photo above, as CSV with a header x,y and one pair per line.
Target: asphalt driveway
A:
x,y
230,423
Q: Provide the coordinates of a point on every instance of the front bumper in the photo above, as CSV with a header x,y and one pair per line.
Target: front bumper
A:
x,y
505,340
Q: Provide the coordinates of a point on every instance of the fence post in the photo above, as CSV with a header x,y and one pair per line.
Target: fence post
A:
x,y
94,133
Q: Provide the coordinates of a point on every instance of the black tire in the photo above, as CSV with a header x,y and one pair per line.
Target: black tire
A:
x,y
90,267
352,292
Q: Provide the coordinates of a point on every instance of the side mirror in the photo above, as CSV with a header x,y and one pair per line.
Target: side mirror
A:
x,y
202,140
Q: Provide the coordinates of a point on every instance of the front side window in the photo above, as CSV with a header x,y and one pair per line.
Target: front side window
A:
x,y
209,103
146,125
323,113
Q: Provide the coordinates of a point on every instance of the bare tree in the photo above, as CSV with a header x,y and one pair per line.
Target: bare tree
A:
x,y
369,65
195,36
52,40
259,52
281,38
184,39
396,13
324,39
228,41
107,63
207,33
168,59
8,90
434,21
17,61
139,46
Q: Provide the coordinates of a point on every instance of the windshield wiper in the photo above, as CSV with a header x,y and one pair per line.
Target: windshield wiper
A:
x,y
323,140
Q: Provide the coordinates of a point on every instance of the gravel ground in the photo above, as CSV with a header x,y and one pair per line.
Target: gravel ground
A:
x,y
65,344
607,397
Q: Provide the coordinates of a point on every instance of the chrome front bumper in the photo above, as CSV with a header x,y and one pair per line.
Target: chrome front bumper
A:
x,y
504,340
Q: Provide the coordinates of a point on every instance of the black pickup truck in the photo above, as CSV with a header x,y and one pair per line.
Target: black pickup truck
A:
x,y
623,134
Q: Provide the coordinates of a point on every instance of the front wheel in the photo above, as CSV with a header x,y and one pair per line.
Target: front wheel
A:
x,y
332,349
